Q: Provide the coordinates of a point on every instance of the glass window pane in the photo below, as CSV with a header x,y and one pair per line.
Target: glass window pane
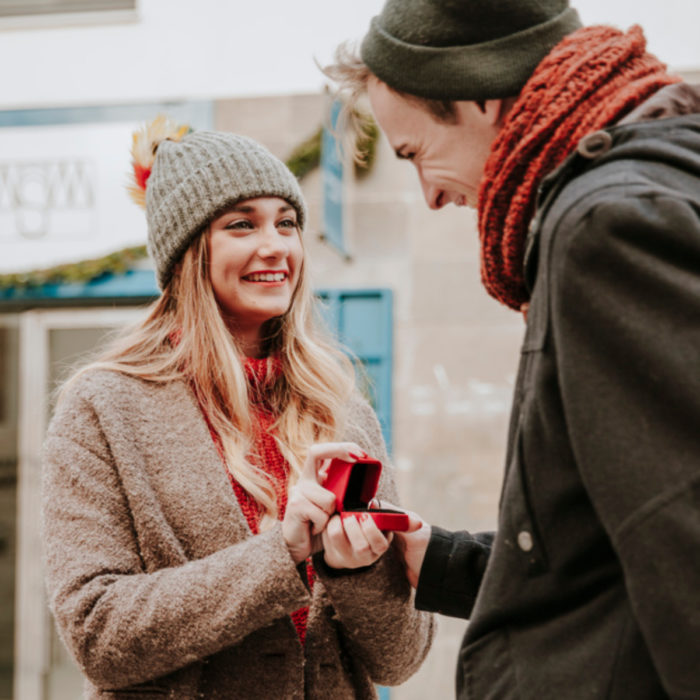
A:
x,y
69,349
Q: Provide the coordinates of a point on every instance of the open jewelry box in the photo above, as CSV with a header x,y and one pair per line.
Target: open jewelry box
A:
x,y
355,485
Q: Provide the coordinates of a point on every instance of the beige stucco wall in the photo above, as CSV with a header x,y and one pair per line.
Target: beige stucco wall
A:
x,y
455,349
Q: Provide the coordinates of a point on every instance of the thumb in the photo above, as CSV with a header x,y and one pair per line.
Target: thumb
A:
x,y
414,522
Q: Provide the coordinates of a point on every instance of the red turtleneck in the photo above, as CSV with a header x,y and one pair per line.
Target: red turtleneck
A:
x,y
261,372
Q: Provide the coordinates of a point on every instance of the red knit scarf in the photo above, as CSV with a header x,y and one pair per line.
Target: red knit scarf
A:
x,y
266,455
590,80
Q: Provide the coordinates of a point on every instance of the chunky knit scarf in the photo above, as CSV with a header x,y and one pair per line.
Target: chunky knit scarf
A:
x,y
266,455
590,80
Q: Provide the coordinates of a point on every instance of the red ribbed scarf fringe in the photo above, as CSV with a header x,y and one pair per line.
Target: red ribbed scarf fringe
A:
x,y
590,80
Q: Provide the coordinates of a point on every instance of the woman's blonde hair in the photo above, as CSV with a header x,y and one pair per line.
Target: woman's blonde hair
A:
x,y
184,337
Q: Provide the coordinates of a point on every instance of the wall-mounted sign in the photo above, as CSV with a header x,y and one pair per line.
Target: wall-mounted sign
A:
x,y
332,173
47,199
62,181
62,194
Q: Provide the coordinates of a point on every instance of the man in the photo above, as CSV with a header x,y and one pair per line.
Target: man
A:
x,y
582,156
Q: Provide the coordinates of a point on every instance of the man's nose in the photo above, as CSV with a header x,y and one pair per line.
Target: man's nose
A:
x,y
434,196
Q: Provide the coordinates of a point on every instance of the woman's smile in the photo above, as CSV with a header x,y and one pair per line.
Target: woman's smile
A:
x,y
267,278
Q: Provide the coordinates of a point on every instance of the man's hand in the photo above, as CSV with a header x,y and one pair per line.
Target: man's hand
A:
x,y
524,308
411,544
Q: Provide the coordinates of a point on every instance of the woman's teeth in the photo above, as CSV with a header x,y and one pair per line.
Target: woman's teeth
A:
x,y
267,277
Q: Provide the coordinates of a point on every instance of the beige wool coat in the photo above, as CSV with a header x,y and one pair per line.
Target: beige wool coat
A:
x,y
160,589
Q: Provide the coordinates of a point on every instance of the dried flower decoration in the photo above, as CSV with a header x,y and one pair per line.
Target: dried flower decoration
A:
x,y
143,152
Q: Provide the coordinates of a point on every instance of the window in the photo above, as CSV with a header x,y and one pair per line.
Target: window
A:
x,y
31,8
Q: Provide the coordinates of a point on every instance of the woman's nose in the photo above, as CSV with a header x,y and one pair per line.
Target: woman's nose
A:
x,y
273,245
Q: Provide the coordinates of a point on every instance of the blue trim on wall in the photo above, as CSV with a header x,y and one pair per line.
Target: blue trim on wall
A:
x,y
199,114
134,284
332,182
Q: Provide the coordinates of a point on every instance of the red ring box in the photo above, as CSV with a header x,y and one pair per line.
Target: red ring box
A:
x,y
354,485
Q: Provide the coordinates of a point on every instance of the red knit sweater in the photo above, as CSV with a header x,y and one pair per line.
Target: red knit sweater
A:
x,y
266,455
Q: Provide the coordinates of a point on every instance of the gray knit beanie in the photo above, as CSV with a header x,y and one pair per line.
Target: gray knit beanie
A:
x,y
195,179
464,49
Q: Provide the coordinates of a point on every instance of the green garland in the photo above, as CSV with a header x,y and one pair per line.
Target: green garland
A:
x,y
305,158
84,271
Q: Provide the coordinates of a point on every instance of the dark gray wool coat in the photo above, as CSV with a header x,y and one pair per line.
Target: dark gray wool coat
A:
x,y
591,586
159,588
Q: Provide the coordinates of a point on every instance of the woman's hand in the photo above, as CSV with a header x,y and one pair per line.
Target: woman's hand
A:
x,y
309,505
353,541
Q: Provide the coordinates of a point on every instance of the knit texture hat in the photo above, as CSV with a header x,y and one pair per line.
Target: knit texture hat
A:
x,y
195,177
464,49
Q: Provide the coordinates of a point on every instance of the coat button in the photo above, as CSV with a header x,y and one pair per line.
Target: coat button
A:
x,y
596,144
525,540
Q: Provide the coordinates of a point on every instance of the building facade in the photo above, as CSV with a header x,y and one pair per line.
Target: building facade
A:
x,y
403,293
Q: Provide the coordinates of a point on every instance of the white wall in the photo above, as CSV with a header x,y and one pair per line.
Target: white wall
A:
x,y
671,26
189,50
84,214
218,48
180,48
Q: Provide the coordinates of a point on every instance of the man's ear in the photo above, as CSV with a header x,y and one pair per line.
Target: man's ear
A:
x,y
495,110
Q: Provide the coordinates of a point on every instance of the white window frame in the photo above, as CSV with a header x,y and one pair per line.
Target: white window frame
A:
x,y
7,428
50,20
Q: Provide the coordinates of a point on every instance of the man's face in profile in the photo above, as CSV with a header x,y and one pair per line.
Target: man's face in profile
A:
x,y
448,156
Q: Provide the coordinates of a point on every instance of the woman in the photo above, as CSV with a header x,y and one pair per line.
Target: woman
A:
x,y
181,494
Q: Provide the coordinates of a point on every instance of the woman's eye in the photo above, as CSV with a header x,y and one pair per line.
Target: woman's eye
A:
x,y
287,223
240,225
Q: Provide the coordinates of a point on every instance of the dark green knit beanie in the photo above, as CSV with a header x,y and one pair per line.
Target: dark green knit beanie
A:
x,y
464,49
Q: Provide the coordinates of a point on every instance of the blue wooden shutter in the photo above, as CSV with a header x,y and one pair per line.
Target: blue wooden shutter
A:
x,y
363,320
